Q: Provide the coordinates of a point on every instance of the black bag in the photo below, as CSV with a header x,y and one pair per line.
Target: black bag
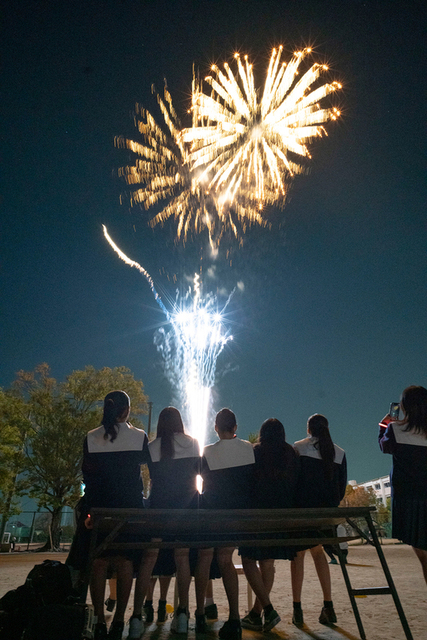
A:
x,y
61,622
47,584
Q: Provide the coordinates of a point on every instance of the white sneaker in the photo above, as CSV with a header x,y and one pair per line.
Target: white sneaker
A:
x,y
136,629
179,623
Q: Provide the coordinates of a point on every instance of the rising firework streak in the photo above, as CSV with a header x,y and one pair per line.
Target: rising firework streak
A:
x,y
191,348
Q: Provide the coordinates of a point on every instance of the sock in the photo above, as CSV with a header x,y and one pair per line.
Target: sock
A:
x,y
181,610
148,603
328,604
162,602
254,614
268,609
139,617
297,605
209,601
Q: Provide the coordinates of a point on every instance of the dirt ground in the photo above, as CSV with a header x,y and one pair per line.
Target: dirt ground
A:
x,y
378,613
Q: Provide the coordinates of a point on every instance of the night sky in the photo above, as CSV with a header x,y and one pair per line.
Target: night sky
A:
x,y
331,317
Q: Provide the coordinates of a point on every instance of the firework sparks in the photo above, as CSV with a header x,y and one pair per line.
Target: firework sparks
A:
x,y
191,347
240,154
243,147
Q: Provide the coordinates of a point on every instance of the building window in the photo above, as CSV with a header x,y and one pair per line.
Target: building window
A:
x,y
377,487
386,484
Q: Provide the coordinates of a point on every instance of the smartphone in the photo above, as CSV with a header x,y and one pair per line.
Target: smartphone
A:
x,y
394,410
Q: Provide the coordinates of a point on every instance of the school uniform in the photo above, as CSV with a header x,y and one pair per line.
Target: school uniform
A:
x,y
228,474
408,483
314,489
173,480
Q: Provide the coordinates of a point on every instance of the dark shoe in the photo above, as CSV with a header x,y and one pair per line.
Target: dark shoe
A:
x,y
100,631
270,620
333,561
161,611
298,618
148,613
116,630
136,628
251,621
110,604
327,616
201,626
231,630
211,612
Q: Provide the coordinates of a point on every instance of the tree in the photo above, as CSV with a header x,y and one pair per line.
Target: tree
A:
x,y
14,427
61,415
358,497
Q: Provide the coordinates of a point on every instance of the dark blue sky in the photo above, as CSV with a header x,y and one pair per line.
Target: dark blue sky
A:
x,y
332,316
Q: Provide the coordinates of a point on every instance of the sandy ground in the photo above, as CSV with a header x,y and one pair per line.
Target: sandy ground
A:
x,y
378,613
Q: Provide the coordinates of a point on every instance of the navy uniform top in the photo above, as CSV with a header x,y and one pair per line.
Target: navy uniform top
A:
x,y
112,470
173,480
228,474
314,489
409,450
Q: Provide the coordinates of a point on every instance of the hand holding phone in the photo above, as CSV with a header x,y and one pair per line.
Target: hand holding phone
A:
x,y
394,410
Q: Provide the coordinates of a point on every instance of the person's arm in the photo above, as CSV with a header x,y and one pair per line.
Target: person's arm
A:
x,y
386,438
343,477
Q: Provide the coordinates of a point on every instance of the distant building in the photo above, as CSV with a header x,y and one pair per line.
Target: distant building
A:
x,y
381,487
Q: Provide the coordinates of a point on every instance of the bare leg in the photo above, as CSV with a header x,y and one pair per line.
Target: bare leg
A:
x,y
297,575
124,571
143,580
97,586
254,577
322,569
183,576
422,557
201,578
164,582
230,580
150,590
209,590
112,584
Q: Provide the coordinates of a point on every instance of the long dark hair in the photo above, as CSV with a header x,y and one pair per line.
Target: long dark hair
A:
x,y
169,423
318,427
414,407
115,404
272,451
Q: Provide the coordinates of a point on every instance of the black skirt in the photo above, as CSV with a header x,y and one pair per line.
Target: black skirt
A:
x,y
409,520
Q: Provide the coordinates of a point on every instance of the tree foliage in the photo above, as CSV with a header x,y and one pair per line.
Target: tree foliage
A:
x,y
60,415
14,427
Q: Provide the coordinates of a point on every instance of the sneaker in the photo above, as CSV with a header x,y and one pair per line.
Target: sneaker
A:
x,y
253,622
270,620
100,631
231,630
110,604
161,611
201,625
116,630
148,613
333,561
179,623
136,628
211,612
298,618
327,616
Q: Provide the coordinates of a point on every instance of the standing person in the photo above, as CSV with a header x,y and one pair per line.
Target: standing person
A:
x,y
322,483
406,440
174,465
227,472
276,476
112,458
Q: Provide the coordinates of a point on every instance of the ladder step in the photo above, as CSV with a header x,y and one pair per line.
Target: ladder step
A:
x,y
371,591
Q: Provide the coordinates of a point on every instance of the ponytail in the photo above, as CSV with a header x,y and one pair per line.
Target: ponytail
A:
x,y
318,427
169,423
115,404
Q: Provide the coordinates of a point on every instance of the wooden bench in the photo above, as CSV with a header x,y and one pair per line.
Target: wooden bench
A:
x,y
242,527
